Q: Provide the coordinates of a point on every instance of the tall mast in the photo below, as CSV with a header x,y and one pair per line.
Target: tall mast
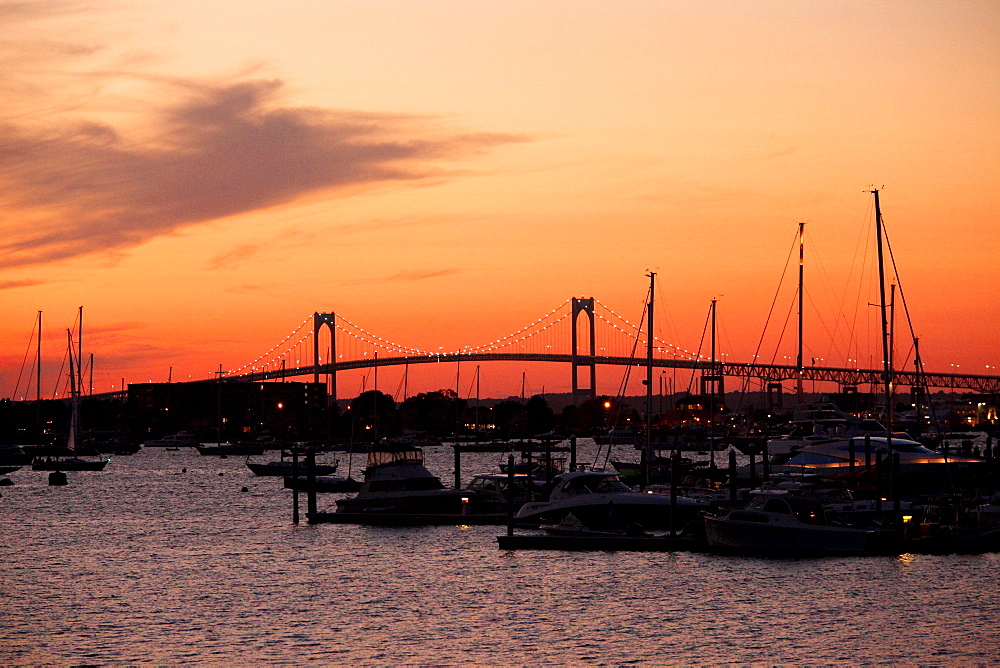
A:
x,y
886,356
883,306
74,415
38,380
79,356
711,397
38,362
798,358
649,368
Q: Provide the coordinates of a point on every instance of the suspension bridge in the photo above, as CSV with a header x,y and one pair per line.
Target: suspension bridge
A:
x,y
581,332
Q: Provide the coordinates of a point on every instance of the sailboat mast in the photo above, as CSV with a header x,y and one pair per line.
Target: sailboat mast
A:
x,y
711,400
886,355
649,368
74,395
79,356
883,305
38,362
798,357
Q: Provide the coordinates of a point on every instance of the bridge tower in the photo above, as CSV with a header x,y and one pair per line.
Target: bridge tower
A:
x,y
584,306
321,320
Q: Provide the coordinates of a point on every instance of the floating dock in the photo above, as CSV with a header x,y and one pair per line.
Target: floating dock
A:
x,y
407,519
588,543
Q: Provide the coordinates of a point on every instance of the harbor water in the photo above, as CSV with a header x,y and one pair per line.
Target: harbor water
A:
x,y
163,559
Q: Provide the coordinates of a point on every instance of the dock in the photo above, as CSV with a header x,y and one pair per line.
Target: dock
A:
x,y
589,543
408,519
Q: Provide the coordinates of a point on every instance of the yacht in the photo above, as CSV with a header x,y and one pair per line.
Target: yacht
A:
x,y
599,499
835,453
789,525
180,440
822,422
397,482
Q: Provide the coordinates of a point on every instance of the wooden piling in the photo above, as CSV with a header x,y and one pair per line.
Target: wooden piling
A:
x,y
675,472
510,493
311,478
732,477
295,490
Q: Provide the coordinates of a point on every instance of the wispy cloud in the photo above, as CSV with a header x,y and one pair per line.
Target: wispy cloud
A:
x,y
91,179
224,150
403,277
26,283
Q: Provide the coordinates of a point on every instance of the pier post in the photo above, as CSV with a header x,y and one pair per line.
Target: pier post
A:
x,y
675,472
643,469
295,486
732,477
548,464
311,482
765,463
458,466
878,483
572,453
753,471
894,477
868,451
510,493
850,456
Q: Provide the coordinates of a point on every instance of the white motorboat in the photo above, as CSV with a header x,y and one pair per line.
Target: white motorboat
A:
x,y
787,525
830,454
180,440
599,500
397,482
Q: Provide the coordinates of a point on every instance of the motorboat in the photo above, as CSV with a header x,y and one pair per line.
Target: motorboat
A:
x,y
788,525
600,499
836,453
179,440
288,467
230,449
397,482
818,423
492,491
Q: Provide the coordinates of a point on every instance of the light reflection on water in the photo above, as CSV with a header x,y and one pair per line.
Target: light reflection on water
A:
x,y
146,564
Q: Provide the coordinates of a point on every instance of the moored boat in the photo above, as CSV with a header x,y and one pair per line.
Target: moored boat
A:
x,y
287,467
788,526
599,500
397,482
179,440
230,449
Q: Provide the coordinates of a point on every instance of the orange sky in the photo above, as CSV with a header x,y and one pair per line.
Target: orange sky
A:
x,y
201,177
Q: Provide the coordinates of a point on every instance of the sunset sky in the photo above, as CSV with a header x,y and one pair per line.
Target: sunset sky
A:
x,y
203,176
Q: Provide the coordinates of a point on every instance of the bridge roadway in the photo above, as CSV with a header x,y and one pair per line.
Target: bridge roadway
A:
x,y
767,373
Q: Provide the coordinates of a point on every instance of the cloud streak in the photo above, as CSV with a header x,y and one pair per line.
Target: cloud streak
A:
x,y
215,149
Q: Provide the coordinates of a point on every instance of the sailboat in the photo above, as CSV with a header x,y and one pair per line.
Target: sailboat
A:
x,y
72,462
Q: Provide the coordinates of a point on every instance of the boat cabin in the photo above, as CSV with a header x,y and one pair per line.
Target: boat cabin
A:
x,y
590,483
807,511
395,454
